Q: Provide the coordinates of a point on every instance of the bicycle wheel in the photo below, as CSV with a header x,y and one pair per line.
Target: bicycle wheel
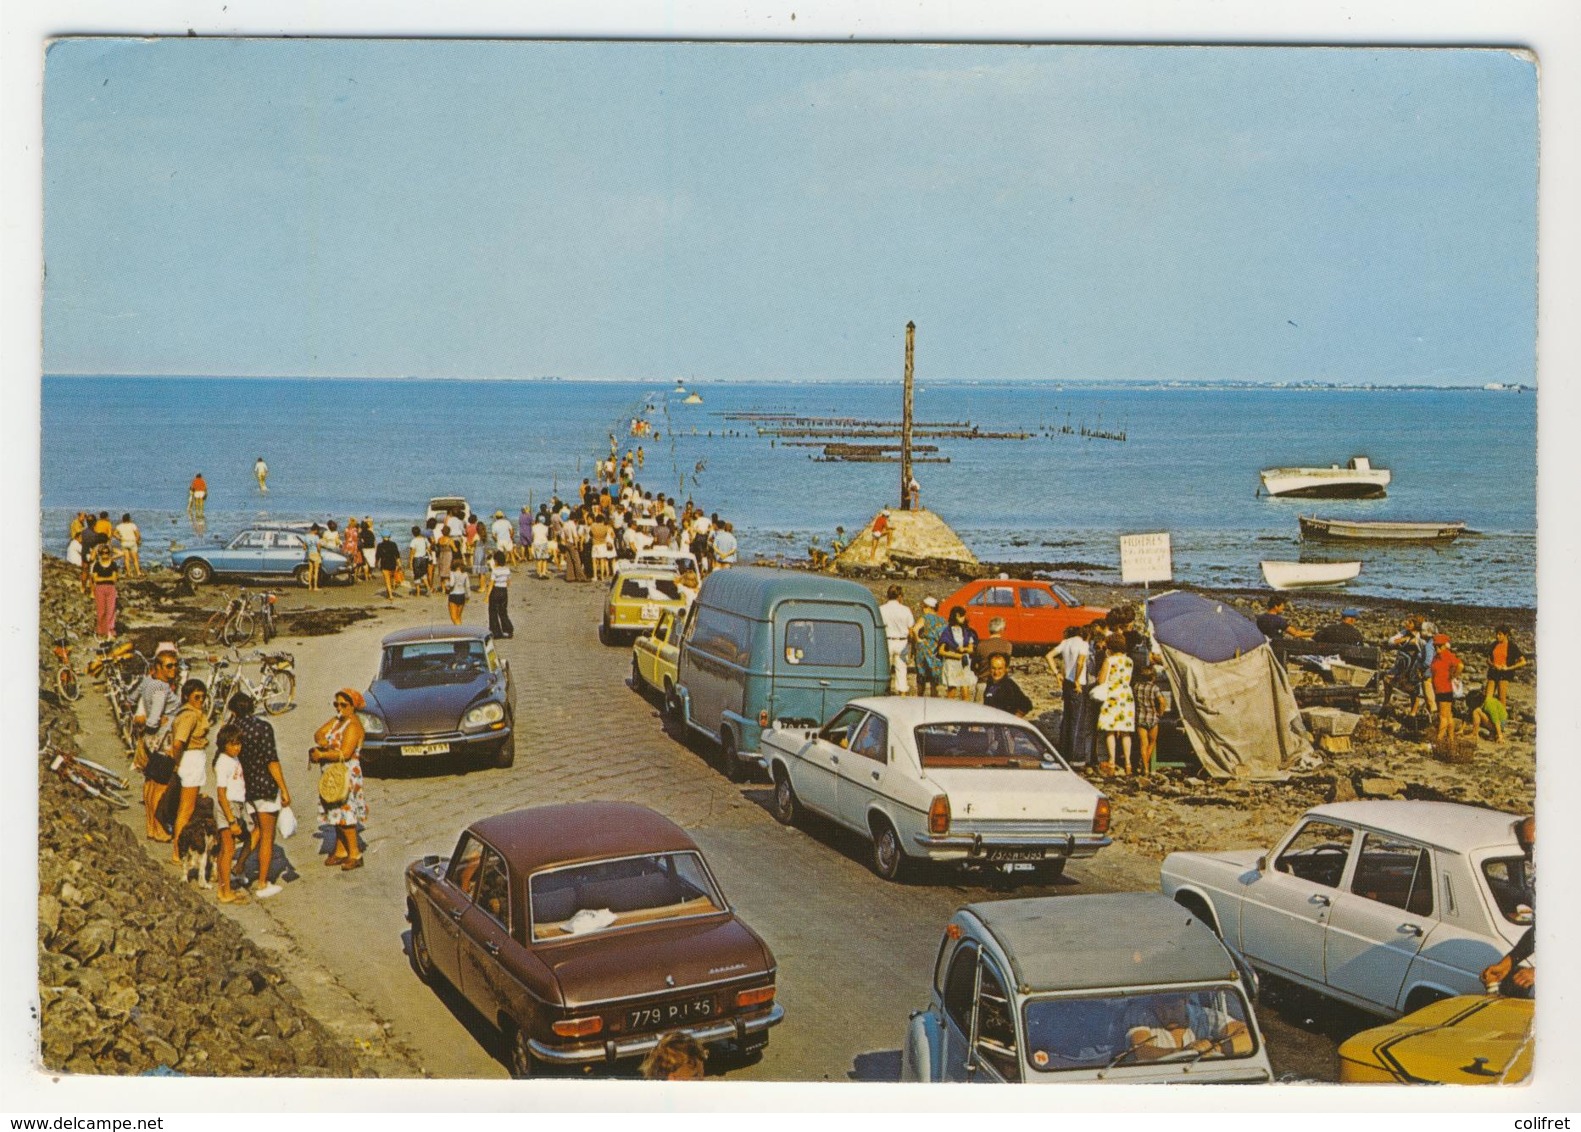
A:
x,y
278,692
214,627
66,681
102,775
239,630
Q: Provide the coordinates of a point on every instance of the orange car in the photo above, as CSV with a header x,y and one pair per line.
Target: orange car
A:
x,y
1036,613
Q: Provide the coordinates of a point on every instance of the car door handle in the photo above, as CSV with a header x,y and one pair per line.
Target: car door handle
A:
x,y
1320,899
455,913
875,776
1411,929
492,947
834,760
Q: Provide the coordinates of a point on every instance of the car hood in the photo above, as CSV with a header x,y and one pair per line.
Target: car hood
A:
x,y
430,706
642,960
979,794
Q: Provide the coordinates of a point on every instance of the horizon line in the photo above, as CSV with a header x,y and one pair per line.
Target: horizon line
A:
x,y
1297,384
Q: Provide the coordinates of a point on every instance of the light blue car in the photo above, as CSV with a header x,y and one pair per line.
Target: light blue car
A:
x,y
260,551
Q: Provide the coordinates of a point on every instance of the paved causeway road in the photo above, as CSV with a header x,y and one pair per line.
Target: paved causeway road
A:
x,y
855,952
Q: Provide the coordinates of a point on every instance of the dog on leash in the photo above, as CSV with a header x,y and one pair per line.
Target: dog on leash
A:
x,y
200,847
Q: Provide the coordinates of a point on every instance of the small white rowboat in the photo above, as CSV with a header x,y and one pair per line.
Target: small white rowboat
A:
x,y
1305,575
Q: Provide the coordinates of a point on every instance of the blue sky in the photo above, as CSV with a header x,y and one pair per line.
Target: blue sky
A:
x,y
734,211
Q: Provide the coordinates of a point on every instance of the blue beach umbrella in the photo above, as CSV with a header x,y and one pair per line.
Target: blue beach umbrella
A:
x,y
1200,627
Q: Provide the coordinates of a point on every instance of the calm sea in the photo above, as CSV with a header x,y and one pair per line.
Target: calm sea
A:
x,y
1189,465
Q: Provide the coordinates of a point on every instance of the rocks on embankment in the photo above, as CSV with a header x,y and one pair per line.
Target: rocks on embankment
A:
x,y
137,971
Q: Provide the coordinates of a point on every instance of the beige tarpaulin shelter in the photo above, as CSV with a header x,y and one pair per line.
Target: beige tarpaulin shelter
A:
x,y
1230,689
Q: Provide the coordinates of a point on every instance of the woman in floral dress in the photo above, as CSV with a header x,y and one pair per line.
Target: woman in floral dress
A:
x,y
926,651
1117,716
340,740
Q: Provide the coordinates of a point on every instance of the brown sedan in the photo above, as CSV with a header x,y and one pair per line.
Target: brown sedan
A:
x,y
587,931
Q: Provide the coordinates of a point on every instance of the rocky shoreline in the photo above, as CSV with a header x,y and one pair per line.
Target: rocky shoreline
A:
x,y
138,972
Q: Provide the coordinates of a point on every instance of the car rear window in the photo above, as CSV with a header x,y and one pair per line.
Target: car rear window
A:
x,y
988,745
1510,886
1113,1030
836,644
598,896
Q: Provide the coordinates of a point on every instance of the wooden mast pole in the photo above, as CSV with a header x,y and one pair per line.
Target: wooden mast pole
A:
x,y
906,502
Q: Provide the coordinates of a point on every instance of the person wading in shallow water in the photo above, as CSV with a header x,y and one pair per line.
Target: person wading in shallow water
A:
x,y
261,470
197,492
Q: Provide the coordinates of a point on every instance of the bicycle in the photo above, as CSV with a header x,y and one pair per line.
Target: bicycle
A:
x,y
274,691
222,626
66,681
256,613
91,778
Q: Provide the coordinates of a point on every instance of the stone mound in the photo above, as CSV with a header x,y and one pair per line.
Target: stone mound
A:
x,y
915,538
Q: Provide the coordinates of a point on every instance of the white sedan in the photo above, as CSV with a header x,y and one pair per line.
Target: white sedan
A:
x,y
1388,906
939,780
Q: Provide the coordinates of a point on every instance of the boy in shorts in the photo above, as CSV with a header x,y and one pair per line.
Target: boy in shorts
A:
x,y
230,792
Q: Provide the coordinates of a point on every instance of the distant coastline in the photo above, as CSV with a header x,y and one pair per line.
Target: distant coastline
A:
x,y
1126,383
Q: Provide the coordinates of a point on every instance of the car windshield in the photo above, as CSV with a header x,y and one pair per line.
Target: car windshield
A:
x,y
422,663
602,895
989,745
1510,885
1113,1030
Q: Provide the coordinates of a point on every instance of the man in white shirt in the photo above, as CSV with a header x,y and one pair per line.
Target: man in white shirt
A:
x,y
504,534
131,540
898,620
725,546
1068,661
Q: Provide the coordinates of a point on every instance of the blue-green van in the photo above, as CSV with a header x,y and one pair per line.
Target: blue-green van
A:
x,y
762,645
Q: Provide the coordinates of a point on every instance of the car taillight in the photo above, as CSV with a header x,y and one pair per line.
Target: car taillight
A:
x,y
939,815
578,1027
757,996
1100,816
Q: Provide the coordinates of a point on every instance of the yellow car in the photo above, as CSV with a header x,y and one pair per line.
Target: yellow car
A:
x,y
637,598
655,655
1465,1040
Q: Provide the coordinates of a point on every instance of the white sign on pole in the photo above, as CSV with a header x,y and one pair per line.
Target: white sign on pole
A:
x,y
1145,558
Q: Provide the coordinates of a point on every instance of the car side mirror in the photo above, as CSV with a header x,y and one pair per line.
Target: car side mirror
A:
x,y
1262,863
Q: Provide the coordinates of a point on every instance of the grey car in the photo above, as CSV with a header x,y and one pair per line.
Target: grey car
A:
x,y
1126,988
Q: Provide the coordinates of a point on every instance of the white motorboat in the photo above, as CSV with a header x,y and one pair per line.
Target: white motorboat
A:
x,y
1308,575
1358,479
1379,530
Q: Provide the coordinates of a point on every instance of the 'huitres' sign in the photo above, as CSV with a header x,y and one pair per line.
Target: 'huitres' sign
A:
x,y
1145,558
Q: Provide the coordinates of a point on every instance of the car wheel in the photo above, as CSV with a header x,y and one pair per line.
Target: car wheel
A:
x,y
672,710
1422,996
638,685
787,810
197,572
300,574
605,636
506,755
523,1064
735,770
422,958
889,859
